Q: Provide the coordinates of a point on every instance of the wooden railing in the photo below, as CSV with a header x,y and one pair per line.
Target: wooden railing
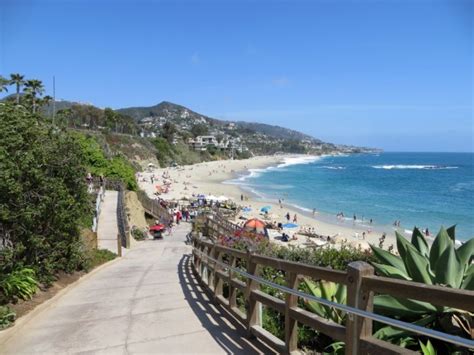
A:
x,y
218,225
356,333
154,208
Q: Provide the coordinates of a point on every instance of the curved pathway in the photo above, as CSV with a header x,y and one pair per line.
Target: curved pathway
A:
x,y
147,302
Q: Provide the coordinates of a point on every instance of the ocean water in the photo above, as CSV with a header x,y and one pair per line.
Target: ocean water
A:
x,y
419,189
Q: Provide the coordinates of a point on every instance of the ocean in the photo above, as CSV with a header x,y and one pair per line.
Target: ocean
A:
x,y
426,190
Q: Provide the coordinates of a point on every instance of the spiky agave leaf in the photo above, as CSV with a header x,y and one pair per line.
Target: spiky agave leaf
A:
x,y
390,271
388,258
418,266
452,232
427,349
419,241
440,244
468,283
466,252
449,270
390,306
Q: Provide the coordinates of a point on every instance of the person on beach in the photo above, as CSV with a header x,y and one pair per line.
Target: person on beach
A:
x,y
363,235
279,202
241,197
295,218
288,217
354,218
314,212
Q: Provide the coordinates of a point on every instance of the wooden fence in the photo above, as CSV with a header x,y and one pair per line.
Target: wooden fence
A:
x,y
356,333
154,208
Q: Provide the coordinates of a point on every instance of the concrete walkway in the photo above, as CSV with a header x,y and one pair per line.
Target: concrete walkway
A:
x,y
107,228
147,302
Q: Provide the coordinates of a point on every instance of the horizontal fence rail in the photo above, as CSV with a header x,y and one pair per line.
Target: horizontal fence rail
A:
x,y
154,208
213,272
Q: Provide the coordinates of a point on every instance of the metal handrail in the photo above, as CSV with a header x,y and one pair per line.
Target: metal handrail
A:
x,y
453,339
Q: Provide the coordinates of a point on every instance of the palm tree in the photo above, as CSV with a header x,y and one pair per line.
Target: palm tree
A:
x,y
3,84
18,80
34,87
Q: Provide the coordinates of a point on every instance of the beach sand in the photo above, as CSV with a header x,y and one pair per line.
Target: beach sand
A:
x,y
209,178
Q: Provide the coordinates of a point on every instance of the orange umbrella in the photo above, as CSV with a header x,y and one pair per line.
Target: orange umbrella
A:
x,y
255,225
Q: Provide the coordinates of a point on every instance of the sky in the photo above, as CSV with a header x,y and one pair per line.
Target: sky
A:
x,y
396,75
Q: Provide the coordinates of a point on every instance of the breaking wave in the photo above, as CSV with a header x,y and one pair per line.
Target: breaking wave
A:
x,y
419,167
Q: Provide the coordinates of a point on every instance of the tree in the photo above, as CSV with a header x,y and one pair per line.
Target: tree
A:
x,y
199,129
43,195
3,84
19,81
33,88
169,129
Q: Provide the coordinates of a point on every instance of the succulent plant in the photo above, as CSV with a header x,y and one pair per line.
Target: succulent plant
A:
x,y
441,264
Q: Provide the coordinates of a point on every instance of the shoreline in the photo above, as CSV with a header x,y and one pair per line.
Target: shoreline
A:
x,y
215,178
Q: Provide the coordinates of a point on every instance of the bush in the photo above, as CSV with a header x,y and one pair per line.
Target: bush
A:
x,y
43,195
97,257
7,317
138,234
20,284
97,163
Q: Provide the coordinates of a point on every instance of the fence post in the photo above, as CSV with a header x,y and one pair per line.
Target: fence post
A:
x,y
358,327
217,280
232,289
119,245
253,310
291,325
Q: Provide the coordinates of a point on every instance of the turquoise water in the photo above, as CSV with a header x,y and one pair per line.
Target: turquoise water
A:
x,y
419,189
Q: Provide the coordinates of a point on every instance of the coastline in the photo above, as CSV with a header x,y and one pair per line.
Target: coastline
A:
x,y
218,178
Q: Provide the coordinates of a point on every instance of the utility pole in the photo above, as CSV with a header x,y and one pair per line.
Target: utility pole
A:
x,y
54,99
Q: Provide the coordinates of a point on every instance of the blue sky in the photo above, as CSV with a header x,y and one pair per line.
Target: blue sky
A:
x,y
391,74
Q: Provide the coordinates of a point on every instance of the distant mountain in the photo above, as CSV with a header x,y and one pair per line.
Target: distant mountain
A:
x,y
181,115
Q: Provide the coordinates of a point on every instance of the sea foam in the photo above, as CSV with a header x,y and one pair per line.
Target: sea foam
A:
x,y
419,167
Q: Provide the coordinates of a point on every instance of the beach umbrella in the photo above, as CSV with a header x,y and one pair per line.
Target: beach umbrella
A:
x,y
265,208
290,225
246,209
255,225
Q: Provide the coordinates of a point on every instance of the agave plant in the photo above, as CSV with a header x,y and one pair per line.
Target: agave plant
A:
x,y
441,264
330,291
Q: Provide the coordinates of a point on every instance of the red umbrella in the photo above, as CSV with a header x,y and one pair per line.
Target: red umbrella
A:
x,y
157,227
255,225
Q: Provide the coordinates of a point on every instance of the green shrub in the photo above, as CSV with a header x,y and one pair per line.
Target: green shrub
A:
x,y
43,195
20,284
7,317
138,234
98,257
98,164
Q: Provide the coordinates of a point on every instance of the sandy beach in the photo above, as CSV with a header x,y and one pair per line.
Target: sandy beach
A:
x,y
210,178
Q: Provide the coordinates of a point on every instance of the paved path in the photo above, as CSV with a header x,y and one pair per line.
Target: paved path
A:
x,y
147,302
107,228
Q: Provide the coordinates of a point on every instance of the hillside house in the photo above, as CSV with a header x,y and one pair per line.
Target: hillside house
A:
x,y
201,142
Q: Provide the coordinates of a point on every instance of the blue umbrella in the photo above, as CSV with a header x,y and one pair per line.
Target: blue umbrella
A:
x,y
265,208
246,209
290,225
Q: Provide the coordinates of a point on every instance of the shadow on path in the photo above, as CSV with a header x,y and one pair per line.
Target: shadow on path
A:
x,y
225,330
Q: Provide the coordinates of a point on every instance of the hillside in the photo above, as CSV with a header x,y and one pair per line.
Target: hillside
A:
x,y
183,116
